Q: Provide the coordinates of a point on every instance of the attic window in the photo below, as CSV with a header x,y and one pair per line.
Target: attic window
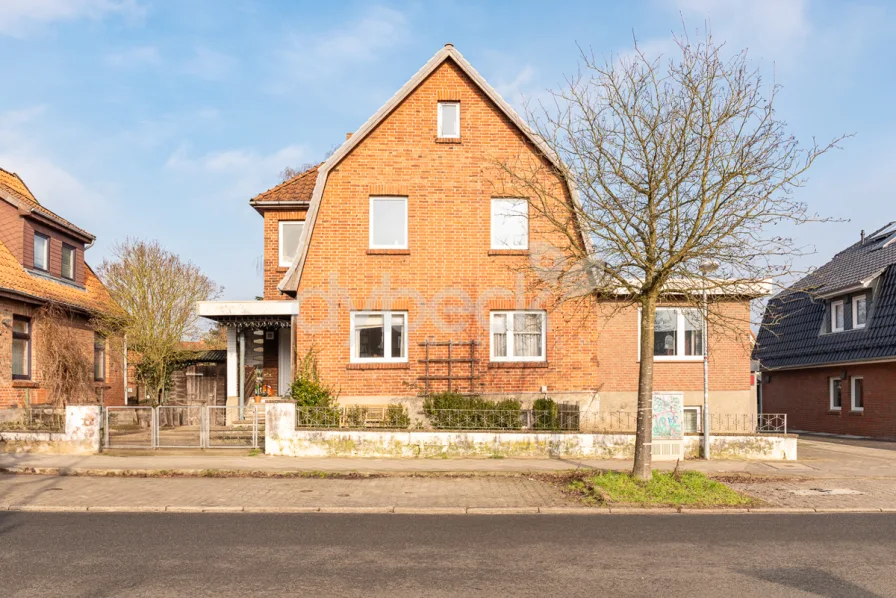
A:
x,y
837,316
859,311
41,252
449,120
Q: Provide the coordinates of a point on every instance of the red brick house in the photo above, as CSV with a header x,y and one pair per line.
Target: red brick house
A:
x,y
42,261
405,240
828,344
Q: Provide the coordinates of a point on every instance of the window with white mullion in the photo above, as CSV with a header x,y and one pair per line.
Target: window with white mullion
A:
x,y
379,336
678,334
518,336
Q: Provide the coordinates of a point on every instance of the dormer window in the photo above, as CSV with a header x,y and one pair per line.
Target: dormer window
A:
x,y
837,316
68,262
859,311
449,120
41,252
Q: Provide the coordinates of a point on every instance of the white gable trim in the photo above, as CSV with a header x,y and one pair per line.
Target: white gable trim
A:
x,y
290,282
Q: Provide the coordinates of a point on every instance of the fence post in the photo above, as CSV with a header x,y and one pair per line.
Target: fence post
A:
x,y
279,426
82,426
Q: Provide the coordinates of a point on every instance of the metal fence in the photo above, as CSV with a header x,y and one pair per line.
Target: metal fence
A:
x,y
393,417
129,427
747,423
32,419
183,426
621,422
227,427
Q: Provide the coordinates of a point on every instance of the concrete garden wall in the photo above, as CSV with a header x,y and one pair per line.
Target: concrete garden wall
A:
x,y
81,435
282,438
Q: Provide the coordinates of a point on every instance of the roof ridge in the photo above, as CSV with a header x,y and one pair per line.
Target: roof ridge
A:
x,y
24,184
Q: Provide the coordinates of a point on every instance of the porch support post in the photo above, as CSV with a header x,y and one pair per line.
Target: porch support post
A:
x,y
242,371
232,358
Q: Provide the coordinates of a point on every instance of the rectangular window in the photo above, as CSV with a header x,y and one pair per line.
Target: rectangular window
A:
x,y
859,311
388,222
691,423
836,392
290,235
837,316
379,336
678,333
99,357
68,262
858,393
449,120
21,348
41,252
518,335
510,224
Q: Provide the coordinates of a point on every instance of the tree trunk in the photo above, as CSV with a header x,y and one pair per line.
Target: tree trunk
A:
x,y
644,434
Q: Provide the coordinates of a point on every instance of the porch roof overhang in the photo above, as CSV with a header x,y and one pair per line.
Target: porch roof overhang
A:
x,y
249,314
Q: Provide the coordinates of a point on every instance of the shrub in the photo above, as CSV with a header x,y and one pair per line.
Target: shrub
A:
x,y
315,401
546,414
397,417
452,410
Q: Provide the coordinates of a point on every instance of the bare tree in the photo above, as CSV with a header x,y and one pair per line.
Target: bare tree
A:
x,y
215,337
66,362
674,164
289,172
157,292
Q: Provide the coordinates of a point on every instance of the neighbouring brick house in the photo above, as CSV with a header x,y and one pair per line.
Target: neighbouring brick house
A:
x,y
828,344
405,236
42,261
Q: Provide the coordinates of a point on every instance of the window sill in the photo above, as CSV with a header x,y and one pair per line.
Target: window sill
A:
x,y
25,384
835,411
669,359
448,140
508,252
857,412
388,252
402,365
516,365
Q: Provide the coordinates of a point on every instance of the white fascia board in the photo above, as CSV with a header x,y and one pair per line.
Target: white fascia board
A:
x,y
247,308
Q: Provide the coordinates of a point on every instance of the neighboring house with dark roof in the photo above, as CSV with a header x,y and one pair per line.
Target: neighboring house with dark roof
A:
x,y
407,235
41,262
828,344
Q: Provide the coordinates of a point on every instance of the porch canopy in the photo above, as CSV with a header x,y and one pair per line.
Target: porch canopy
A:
x,y
259,335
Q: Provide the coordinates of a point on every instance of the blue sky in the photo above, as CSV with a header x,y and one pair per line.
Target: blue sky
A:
x,y
160,119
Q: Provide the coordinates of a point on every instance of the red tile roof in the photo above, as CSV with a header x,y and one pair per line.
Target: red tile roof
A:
x,y
298,188
15,186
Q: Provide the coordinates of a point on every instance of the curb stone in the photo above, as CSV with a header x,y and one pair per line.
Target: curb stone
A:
x,y
347,510
430,510
104,509
502,510
47,509
574,510
281,509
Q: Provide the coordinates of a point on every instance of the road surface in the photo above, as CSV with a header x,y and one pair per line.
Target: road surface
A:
x,y
106,554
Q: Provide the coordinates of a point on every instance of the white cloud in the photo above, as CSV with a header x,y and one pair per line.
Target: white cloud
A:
x,y
135,57
18,18
209,65
235,173
314,55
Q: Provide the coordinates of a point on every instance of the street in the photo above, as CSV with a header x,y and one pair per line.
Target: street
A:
x,y
82,554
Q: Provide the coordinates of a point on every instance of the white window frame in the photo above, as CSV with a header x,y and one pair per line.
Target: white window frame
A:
x,y
497,201
387,338
281,260
374,198
855,312
74,253
439,118
46,252
831,381
509,322
679,348
834,305
852,393
699,418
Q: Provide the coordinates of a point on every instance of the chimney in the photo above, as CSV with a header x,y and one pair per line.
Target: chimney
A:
x,y
863,236
348,136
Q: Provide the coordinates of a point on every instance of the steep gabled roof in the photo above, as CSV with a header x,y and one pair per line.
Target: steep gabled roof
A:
x,y
297,190
14,190
290,282
792,335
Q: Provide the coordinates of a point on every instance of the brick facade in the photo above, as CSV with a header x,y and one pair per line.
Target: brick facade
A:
x,y
34,391
449,279
804,395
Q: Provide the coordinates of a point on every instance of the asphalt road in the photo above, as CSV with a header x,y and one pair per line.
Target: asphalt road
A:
x,y
77,554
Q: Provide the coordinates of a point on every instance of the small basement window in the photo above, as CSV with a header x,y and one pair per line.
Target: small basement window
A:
x,y
859,311
290,235
837,316
449,120
691,423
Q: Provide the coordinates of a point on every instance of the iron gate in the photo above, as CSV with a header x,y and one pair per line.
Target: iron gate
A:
x,y
184,426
